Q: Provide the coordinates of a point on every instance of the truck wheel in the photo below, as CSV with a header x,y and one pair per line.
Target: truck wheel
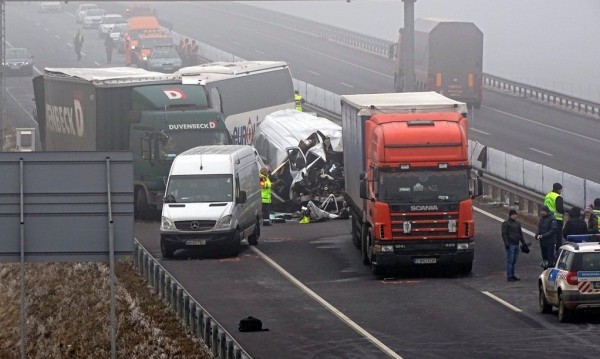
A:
x,y
141,204
465,268
234,247
564,314
363,246
165,249
253,238
355,234
545,308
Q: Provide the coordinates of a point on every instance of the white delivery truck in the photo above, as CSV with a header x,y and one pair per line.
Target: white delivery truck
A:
x,y
212,200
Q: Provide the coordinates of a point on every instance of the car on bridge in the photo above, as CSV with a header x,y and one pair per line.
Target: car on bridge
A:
x,y
108,22
573,283
81,9
49,6
18,61
162,59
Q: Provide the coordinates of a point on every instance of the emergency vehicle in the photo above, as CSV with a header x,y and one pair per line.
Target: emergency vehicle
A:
x,y
573,283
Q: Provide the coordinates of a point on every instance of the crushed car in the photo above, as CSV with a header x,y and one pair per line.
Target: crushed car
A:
x,y
305,157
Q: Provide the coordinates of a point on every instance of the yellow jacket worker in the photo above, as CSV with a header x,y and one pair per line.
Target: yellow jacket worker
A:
x,y
265,194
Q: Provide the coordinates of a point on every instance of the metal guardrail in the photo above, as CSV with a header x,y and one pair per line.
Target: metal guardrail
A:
x,y
194,317
542,95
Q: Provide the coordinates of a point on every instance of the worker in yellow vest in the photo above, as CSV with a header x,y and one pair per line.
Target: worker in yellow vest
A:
x,y
265,195
596,211
298,100
555,203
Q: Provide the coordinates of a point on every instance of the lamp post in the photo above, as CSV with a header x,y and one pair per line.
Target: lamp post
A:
x,y
408,45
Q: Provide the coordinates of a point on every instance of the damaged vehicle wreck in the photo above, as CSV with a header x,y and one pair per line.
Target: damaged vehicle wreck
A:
x,y
304,155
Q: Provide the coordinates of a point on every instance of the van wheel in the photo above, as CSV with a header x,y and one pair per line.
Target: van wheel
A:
x,y
165,249
234,247
253,238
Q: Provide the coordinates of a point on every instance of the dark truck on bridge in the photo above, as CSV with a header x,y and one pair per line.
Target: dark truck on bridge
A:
x,y
448,59
126,109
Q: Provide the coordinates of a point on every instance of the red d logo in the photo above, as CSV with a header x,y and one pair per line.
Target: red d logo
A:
x,y
175,94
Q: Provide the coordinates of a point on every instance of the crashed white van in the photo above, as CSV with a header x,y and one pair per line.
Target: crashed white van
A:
x,y
212,200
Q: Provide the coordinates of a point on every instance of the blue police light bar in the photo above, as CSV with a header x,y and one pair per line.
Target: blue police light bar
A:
x,y
581,238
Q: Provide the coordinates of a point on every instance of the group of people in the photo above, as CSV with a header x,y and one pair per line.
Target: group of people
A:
x,y
551,231
78,41
188,51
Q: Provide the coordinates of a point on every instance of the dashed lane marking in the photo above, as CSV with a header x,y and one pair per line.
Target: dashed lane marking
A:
x,y
483,132
542,152
502,301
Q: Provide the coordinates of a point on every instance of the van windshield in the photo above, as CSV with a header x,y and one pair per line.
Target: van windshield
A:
x,y
200,188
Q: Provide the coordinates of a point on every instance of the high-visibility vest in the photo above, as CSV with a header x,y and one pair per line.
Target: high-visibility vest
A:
x,y
550,201
597,213
298,100
265,189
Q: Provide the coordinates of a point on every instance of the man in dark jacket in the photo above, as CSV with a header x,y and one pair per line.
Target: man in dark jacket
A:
x,y
512,235
547,233
575,225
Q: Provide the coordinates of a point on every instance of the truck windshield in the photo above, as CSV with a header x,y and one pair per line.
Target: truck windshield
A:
x,y
424,186
175,142
200,188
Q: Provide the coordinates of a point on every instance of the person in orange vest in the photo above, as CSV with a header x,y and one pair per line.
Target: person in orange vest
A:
x,y
554,202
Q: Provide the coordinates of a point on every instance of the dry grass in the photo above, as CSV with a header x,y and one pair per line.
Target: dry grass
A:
x,y
68,314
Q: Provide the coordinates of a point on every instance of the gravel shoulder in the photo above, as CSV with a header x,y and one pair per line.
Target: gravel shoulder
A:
x,y
68,314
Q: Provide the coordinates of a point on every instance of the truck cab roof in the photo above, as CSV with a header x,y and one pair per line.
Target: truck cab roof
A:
x,y
406,102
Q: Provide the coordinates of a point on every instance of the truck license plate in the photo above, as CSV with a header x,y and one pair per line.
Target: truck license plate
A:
x,y
198,242
425,260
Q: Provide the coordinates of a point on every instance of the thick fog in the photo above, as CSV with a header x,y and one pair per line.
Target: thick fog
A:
x,y
550,43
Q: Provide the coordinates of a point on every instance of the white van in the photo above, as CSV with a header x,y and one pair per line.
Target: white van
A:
x,y
212,200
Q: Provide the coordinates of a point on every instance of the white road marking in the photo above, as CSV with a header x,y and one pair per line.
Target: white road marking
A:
x,y
328,306
347,85
314,72
502,301
483,132
259,52
493,216
543,124
57,36
46,29
236,43
18,103
542,152
96,63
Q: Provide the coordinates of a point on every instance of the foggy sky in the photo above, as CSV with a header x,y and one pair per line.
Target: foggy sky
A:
x,y
554,44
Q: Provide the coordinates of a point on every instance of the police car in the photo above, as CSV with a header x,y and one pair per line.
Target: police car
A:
x,y
573,283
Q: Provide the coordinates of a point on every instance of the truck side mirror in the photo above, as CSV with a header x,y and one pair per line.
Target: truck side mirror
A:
x,y
242,197
363,189
476,187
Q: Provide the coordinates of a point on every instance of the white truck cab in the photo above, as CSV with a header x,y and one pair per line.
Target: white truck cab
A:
x,y
212,200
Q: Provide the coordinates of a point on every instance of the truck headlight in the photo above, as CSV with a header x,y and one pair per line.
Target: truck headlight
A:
x,y
464,246
224,222
166,224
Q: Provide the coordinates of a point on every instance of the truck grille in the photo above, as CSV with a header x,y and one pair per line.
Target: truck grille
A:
x,y
423,225
195,225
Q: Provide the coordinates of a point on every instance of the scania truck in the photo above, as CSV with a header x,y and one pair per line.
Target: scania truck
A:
x,y
407,180
127,109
